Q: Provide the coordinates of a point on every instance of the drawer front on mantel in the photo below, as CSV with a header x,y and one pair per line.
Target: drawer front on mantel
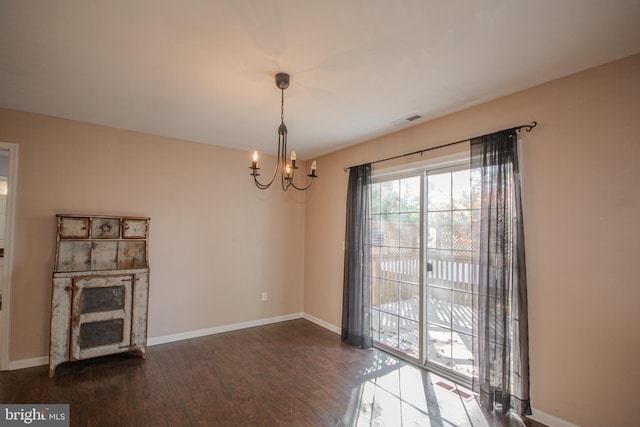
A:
x,y
133,228
74,228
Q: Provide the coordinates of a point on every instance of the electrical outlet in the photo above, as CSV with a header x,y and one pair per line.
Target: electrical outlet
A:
x,y
264,296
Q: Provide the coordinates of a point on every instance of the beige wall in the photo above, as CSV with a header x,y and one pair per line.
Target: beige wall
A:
x,y
581,184
216,242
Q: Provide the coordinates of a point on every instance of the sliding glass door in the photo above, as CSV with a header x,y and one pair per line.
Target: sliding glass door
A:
x,y
422,272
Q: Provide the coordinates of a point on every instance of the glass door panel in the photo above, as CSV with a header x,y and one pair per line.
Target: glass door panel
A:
x,y
396,264
449,285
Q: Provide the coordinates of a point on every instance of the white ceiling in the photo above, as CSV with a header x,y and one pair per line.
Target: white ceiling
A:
x,y
203,70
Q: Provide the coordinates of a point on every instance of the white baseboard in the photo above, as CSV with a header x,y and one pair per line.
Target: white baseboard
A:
x,y
28,363
44,360
39,361
219,329
549,419
324,324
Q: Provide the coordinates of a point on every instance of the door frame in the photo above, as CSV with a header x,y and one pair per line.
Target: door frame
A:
x,y
5,313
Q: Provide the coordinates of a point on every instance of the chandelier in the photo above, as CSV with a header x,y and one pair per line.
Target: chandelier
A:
x,y
287,170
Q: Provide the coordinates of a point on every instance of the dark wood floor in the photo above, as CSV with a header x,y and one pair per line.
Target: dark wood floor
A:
x,y
287,374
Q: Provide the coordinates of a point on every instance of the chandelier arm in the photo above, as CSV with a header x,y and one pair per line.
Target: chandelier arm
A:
x,y
283,160
262,186
265,186
291,183
302,188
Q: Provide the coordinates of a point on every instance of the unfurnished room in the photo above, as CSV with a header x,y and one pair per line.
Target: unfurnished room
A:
x,y
305,213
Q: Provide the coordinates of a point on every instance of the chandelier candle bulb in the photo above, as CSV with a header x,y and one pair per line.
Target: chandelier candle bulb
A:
x,y
313,168
254,163
293,159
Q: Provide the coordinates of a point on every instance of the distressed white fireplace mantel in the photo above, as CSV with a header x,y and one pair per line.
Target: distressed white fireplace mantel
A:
x,y
100,288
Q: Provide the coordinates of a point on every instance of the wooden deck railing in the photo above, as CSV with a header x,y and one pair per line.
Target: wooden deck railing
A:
x,y
398,268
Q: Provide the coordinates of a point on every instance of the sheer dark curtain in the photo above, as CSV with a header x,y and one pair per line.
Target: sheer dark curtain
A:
x,y
502,341
356,302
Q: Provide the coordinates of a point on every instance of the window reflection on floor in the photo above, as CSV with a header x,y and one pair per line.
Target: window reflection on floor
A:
x,y
396,393
450,347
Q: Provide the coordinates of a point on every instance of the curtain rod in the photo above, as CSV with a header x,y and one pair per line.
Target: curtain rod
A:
x,y
527,128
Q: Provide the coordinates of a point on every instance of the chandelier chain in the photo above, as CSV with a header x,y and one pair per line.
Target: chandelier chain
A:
x,y
282,106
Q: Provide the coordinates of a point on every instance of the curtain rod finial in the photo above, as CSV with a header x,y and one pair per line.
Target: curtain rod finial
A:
x,y
530,127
